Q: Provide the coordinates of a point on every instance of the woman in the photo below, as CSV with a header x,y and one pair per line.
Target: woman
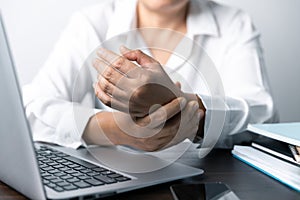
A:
x,y
226,34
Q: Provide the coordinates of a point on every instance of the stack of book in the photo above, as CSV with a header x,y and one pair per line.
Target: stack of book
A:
x,y
276,152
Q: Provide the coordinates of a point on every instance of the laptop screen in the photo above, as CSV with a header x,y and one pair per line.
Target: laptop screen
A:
x,y
18,164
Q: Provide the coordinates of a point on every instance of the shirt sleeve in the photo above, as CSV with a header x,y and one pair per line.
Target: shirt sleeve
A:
x,y
247,97
60,99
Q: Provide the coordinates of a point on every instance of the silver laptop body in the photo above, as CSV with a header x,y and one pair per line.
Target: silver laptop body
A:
x,y
19,164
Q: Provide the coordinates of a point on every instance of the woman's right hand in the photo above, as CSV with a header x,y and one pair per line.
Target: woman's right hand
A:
x,y
166,126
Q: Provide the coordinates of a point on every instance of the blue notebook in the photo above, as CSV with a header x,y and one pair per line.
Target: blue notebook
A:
x,y
285,132
284,172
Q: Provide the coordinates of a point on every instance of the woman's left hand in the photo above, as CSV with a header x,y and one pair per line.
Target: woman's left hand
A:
x,y
133,88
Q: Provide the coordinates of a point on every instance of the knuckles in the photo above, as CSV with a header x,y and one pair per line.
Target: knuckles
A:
x,y
105,86
137,52
119,62
108,72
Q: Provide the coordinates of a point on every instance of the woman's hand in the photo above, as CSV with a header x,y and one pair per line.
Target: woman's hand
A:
x,y
133,88
166,126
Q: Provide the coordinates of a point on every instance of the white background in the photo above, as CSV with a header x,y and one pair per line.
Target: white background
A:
x,y
33,26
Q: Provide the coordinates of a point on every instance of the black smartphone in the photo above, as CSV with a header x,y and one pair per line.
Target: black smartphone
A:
x,y
202,191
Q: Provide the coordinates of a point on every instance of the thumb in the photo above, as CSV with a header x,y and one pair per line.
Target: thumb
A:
x,y
164,113
124,50
137,55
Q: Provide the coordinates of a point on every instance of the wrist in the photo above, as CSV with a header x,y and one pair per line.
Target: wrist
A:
x,y
200,132
113,132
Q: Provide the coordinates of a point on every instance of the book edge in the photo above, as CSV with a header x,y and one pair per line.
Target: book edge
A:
x,y
275,136
240,157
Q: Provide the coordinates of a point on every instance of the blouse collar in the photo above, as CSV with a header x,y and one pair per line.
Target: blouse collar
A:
x,y
200,20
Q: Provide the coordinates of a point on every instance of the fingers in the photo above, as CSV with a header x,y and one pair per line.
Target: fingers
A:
x,y
107,71
174,107
177,128
164,113
108,100
194,124
113,60
190,110
137,55
192,117
187,125
112,90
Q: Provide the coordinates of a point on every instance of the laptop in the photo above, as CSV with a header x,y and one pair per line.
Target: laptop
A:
x,y
44,171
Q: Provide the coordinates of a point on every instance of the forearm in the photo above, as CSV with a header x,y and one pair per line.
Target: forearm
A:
x,y
100,130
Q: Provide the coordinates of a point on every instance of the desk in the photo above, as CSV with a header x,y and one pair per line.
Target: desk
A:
x,y
219,165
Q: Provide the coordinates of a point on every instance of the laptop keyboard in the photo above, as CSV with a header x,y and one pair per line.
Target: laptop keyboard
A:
x,y
62,172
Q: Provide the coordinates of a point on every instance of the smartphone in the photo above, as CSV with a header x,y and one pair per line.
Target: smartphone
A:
x,y
202,191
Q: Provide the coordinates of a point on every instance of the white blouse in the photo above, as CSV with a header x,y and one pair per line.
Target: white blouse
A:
x,y
220,59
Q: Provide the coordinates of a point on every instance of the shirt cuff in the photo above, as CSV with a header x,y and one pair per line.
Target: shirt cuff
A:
x,y
215,118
